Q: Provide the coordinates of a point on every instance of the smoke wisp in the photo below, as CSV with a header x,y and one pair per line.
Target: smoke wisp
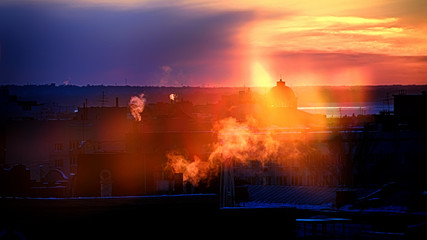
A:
x,y
136,105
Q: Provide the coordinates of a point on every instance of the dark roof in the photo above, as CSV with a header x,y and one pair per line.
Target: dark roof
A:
x,y
308,195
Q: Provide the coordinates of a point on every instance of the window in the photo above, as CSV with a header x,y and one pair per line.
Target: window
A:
x,y
26,107
73,160
58,147
58,163
74,145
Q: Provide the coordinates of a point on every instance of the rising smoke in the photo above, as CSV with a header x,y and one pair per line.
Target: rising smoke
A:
x,y
136,105
193,171
242,143
236,142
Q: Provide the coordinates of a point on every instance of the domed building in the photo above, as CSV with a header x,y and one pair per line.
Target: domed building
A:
x,y
283,111
282,96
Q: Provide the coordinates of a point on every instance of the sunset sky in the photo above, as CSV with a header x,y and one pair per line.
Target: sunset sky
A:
x,y
205,43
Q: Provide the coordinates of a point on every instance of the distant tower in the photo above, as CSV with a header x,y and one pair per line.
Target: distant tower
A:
x,y
103,101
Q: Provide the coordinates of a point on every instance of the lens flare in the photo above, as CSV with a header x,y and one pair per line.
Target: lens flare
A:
x,y
260,76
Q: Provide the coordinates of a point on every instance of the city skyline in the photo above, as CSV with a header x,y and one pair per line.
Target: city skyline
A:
x,y
209,44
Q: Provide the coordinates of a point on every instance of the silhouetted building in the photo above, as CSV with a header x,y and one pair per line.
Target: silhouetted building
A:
x,y
282,96
14,109
103,151
15,181
411,109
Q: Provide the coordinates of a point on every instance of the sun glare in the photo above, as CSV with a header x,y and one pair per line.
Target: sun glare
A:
x,y
260,76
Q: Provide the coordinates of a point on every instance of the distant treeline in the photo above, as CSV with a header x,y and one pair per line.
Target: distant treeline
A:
x,y
70,95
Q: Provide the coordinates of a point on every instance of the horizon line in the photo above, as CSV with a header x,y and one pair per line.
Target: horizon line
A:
x,y
184,86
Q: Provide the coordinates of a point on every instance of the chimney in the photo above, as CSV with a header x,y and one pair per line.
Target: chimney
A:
x,y
117,101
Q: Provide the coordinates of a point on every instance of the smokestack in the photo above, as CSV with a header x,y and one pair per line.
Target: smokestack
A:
x,y
117,101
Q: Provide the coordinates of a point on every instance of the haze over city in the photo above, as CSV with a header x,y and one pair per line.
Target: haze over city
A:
x,y
210,44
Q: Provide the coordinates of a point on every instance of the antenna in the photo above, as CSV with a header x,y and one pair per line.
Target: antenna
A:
x,y
281,77
388,102
103,100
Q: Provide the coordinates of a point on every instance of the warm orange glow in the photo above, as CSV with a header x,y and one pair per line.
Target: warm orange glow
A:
x,y
253,139
242,141
356,75
326,25
260,76
256,49
237,141
173,96
193,171
332,33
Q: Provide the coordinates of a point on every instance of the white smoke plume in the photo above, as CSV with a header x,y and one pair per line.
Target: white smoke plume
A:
x,y
173,97
136,105
237,141
242,141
